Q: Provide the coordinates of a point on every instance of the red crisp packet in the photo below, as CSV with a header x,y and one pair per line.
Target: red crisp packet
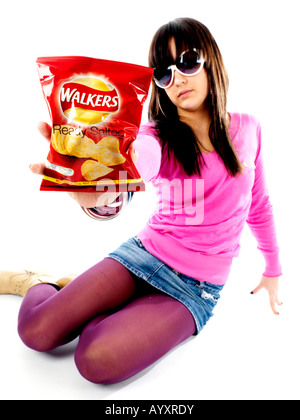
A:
x,y
96,108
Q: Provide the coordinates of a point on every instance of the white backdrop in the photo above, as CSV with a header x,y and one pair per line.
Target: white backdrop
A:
x,y
245,352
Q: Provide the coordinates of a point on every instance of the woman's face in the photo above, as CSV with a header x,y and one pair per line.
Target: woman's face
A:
x,y
188,93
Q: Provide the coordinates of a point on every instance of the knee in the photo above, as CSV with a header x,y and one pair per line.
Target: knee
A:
x,y
36,334
99,364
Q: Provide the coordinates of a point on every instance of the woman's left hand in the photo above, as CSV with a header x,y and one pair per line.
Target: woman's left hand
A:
x,y
271,284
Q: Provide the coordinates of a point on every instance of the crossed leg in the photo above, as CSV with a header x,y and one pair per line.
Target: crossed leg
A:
x,y
115,341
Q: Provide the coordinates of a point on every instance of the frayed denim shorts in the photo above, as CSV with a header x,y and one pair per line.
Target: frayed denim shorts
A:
x,y
199,297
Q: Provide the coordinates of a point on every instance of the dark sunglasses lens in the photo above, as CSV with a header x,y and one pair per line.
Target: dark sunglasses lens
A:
x,y
163,76
188,62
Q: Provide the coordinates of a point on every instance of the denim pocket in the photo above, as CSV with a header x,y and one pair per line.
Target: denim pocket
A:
x,y
139,242
208,292
194,285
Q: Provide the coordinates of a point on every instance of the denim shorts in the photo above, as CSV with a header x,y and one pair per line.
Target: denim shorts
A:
x,y
199,297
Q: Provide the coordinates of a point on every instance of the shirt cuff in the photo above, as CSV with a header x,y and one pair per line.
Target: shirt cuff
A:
x,y
273,267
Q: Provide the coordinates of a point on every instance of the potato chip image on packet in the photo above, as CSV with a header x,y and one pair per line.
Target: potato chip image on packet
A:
x,y
95,107
92,170
107,151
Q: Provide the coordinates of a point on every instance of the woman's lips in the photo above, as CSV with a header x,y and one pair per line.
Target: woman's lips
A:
x,y
184,93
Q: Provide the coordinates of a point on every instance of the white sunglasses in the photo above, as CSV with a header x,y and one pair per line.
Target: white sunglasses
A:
x,y
189,63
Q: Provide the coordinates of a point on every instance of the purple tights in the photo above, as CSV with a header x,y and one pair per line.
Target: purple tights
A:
x,y
124,324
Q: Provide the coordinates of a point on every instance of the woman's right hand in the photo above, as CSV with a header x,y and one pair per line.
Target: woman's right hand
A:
x,y
84,199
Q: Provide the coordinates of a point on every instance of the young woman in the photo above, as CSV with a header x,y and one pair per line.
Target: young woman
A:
x,y
160,287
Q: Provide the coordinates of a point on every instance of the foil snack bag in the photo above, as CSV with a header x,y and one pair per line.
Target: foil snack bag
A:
x,y
96,107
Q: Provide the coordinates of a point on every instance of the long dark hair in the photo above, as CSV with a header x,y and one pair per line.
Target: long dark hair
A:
x,y
188,34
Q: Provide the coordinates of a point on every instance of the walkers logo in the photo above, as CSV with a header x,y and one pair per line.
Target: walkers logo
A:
x,y
88,100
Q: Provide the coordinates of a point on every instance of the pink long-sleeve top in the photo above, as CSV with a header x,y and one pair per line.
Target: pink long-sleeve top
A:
x,y
198,221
